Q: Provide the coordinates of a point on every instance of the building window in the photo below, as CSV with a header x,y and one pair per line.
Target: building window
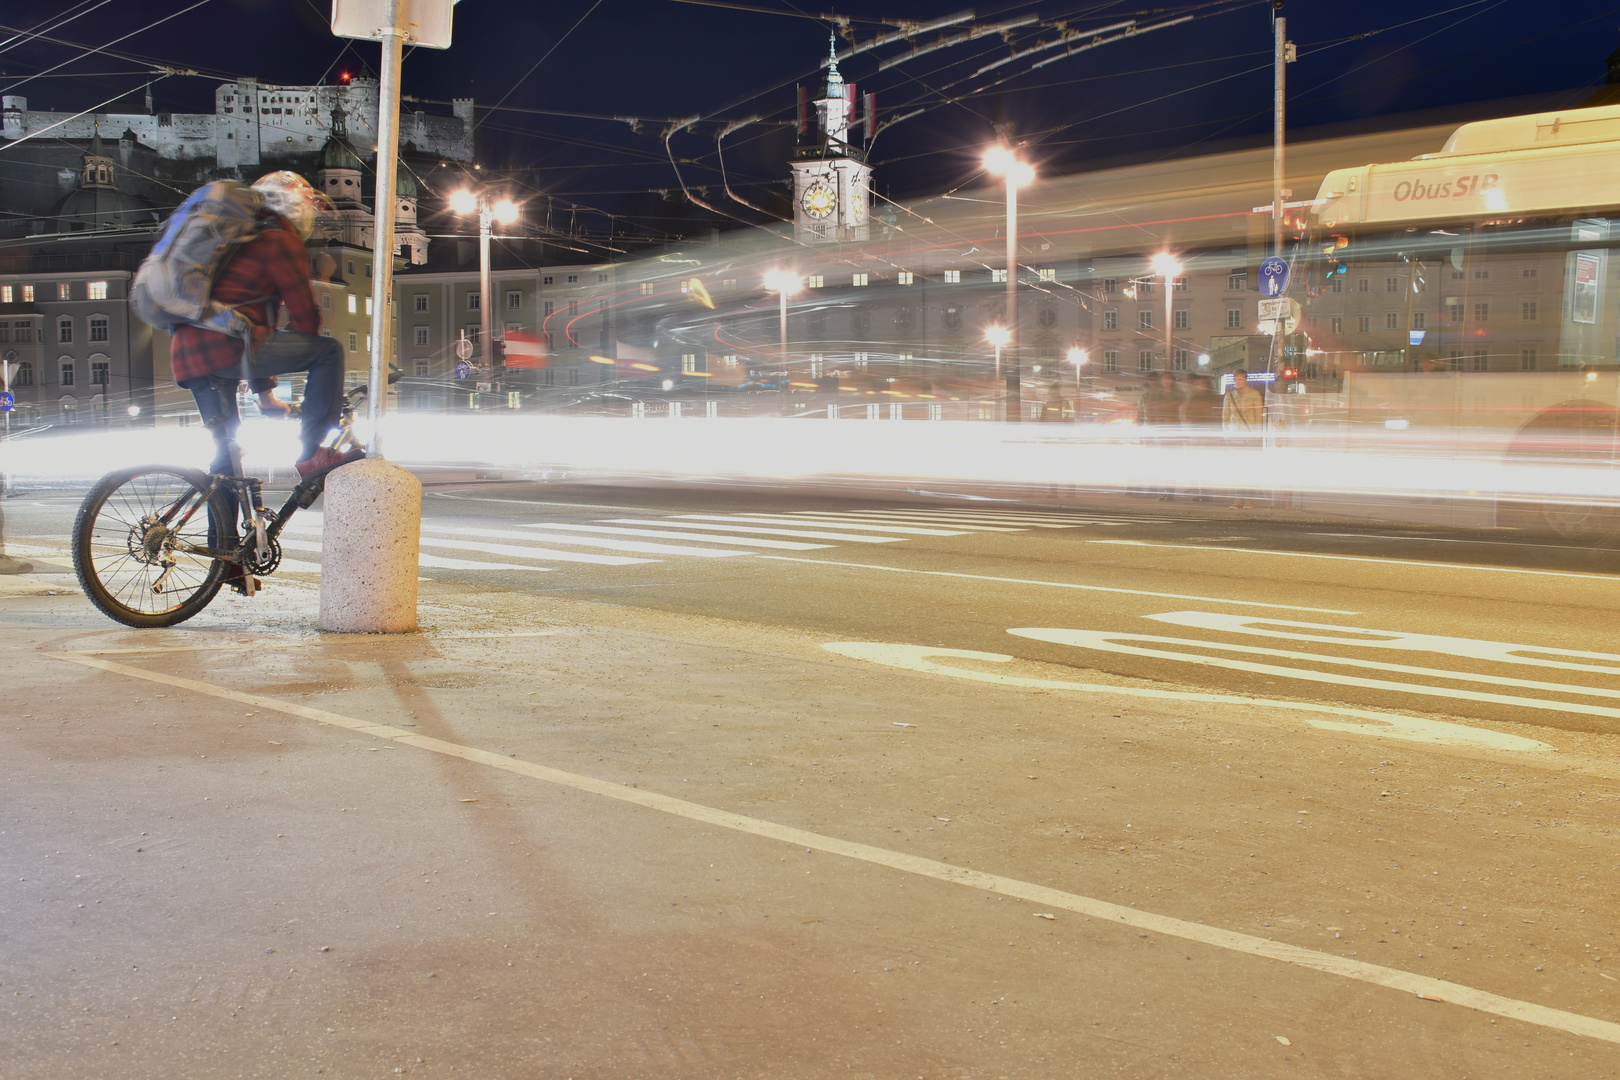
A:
x,y
64,290
368,307
5,294
1336,325
573,308
67,374
1047,273
1047,317
1458,275
998,275
601,279
1338,283
97,290
350,264
64,331
1482,313
1392,284
904,277
100,373
419,302
475,301
422,367
1144,360
1482,275
421,335
815,281
98,328
547,280
1144,319
728,284
549,307
647,288
1145,289
28,294
859,280
573,279
1111,319
1178,360
1110,285
1364,323
1363,285
1454,312
25,374
1528,310
1182,284
354,341
1482,362
1530,272
326,301
354,304
1237,282
1392,320
1527,359
1234,318
688,363
1180,319
1420,320
953,277
514,301
474,334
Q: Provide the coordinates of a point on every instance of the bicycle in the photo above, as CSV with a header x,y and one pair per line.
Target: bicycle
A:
x,y
154,544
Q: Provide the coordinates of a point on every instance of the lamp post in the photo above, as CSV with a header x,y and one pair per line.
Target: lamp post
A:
x,y
504,211
1001,161
1166,264
783,284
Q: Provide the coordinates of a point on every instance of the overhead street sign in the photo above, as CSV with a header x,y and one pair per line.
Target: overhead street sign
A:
x,y
1273,277
426,22
7,402
464,369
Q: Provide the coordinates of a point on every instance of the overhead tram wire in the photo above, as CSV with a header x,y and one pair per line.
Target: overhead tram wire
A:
x,y
81,112
35,32
544,57
115,41
134,58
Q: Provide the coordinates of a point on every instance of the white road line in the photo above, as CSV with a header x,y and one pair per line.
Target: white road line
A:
x,y
1012,516
839,517
1108,641
1362,558
1437,990
666,534
1063,585
968,519
437,562
597,542
835,524
548,554
699,521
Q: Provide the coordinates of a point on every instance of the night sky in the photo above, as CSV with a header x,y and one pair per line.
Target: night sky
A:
x,y
1173,92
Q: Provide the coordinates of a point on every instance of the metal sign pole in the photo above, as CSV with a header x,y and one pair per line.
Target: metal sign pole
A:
x,y
382,250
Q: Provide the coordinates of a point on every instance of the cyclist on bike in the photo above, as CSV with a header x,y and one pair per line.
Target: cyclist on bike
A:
x,y
261,276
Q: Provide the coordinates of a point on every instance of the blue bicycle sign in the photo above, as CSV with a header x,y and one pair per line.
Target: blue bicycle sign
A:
x,y
1273,278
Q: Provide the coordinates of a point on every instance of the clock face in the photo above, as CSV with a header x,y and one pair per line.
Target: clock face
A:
x,y
819,199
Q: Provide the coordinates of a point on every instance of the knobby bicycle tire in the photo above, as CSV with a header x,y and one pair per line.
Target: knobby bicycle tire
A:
x,y
118,547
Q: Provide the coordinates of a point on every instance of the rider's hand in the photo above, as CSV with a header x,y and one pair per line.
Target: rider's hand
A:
x,y
269,406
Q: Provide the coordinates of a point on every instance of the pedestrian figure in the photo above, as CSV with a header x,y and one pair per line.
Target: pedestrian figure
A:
x,y
1242,420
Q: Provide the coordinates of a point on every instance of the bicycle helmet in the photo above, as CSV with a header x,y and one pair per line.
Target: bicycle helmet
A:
x,y
291,197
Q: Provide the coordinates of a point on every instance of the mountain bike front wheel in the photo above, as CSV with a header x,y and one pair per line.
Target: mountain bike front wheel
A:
x,y
139,544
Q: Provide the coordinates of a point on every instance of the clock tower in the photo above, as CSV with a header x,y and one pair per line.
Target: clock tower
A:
x,y
831,181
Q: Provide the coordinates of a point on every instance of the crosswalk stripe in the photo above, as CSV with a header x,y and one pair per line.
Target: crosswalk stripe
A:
x,y
767,520
610,544
1016,520
702,522
743,541
437,562
1010,517
852,516
548,554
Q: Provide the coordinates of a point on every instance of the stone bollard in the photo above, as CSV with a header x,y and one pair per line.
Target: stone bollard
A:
x,y
369,548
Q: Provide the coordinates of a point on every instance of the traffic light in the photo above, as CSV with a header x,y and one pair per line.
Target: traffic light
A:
x,y
1336,262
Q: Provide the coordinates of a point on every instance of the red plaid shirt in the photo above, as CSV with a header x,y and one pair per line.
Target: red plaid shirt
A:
x,y
275,265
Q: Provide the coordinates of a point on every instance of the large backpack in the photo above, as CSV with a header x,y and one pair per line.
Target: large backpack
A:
x,y
174,285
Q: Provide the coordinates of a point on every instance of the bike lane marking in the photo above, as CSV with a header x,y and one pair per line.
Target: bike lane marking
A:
x,y
1422,986
1063,585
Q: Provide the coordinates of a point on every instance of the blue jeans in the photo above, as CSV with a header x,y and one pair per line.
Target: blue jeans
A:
x,y
286,352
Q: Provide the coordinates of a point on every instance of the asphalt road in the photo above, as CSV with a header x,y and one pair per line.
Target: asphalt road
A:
x,y
718,782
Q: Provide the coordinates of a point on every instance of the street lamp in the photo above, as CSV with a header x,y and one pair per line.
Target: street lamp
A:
x,y
998,336
1002,162
504,211
1165,263
783,284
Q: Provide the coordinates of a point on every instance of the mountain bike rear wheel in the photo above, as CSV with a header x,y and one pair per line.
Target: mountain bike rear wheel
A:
x,y
135,544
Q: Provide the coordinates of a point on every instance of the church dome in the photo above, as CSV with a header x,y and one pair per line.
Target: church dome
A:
x,y
98,203
337,153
